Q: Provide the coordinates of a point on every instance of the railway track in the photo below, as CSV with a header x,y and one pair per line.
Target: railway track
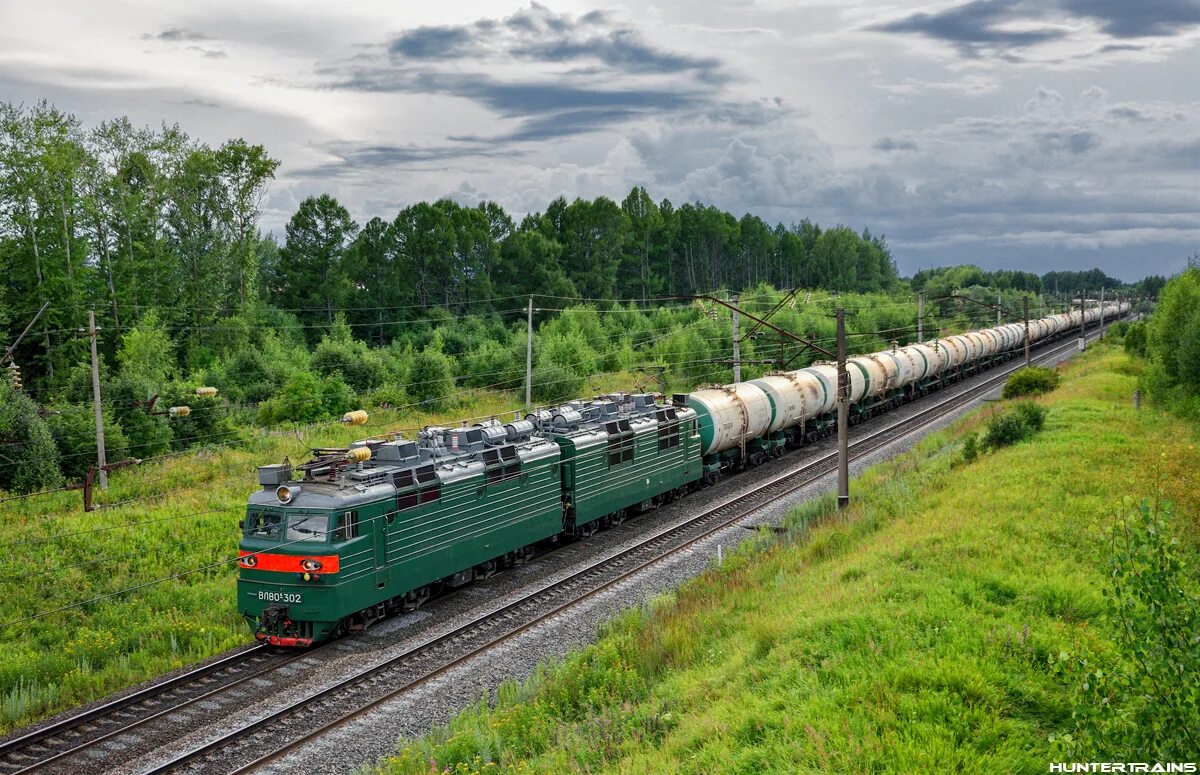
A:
x,y
53,745
286,728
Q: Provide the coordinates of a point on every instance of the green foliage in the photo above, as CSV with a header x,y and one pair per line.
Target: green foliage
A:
x,y
208,423
74,432
148,435
30,459
1117,330
1006,428
1139,702
431,376
147,352
970,450
1030,381
494,363
341,355
1173,344
1135,339
307,398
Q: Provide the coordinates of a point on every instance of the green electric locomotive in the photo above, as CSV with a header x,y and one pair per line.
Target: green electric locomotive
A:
x,y
336,543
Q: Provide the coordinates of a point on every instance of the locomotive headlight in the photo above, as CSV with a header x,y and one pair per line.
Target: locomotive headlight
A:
x,y
250,560
310,564
286,493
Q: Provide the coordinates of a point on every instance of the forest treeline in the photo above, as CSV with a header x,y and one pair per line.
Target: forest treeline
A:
x,y
127,220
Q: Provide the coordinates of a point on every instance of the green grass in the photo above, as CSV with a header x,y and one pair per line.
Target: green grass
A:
x,y
912,633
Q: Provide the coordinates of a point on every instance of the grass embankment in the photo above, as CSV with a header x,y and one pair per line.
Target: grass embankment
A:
x,y
181,519
912,634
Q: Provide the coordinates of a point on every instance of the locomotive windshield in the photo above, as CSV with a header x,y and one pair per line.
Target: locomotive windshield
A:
x,y
308,527
261,524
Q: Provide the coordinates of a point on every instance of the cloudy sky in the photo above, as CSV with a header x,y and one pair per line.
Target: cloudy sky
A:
x,y
1031,134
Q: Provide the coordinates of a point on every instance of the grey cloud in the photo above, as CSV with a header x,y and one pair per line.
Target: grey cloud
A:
x,y
974,27
614,77
355,159
980,27
176,35
432,42
1073,142
888,144
540,35
209,53
1133,19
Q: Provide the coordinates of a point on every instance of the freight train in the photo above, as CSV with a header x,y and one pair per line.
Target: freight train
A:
x,y
334,544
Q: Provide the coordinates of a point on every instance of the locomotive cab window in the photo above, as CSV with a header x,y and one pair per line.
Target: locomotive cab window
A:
x,y
307,527
263,524
346,527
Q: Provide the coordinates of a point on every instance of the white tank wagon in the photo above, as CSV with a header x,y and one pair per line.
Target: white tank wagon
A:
x,y
874,376
826,375
730,416
795,397
958,349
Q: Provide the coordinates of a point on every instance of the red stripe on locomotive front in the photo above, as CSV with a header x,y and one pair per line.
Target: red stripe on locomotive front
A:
x,y
289,563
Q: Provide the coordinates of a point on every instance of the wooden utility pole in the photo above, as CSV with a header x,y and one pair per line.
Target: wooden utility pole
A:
x,y
101,463
999,304
737,350
1101,311
1025,307
843,410
529,359
920,318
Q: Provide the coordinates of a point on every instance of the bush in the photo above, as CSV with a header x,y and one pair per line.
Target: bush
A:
x,y
74,432
148,434
1025,419
1138,703
1117,330
1030,381
31,456
1135,340
492,363
431,376
147,351
1033,415
307,398
208,423
970,449
553,382
341,355
247,378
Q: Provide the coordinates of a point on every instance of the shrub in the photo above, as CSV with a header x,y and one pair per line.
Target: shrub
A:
x,y
1023,421
74,432
1117,330
1030,381
32,456
148,434
1135,339
1139,702
307,398
341,355
431,376
553,382
247,377
147,351
1033,415
970,449
208,423
492,363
